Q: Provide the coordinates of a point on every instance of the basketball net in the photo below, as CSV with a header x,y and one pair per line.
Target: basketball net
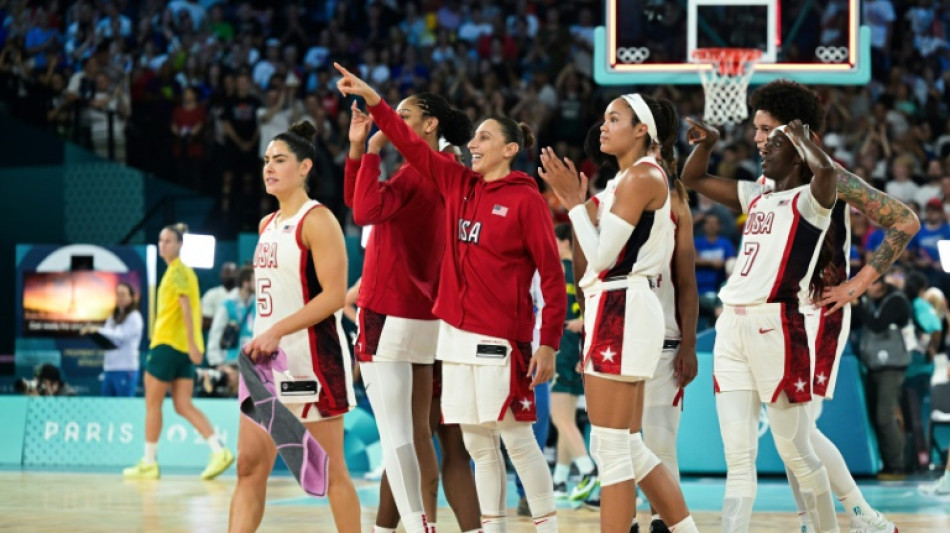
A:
x,y
725,84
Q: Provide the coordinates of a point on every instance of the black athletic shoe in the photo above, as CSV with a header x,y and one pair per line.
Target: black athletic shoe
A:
x,y
657,526
560,490
635,528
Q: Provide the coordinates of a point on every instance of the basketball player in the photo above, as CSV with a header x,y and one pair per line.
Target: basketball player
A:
x,y
499,232
663,393
624,319
397,330
176,347
774,104
300,268
761,352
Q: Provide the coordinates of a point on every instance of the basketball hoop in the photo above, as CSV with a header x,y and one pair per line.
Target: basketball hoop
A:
x,y
726,82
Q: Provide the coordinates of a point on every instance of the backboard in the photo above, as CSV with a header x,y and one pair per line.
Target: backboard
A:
x,y
811,41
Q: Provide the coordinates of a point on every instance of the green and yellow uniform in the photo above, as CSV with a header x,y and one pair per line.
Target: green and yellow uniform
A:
x,y
168,354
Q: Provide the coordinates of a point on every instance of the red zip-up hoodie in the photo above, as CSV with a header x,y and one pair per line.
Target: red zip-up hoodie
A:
x,y
401,267
497,234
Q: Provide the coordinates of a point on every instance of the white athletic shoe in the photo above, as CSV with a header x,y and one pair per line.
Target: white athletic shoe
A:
x,y
375,474
942,487
873,523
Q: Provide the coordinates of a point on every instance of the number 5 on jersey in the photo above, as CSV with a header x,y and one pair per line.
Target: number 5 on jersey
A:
x,y
265,303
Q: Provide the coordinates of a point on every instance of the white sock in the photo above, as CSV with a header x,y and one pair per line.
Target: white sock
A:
x,y
415,522
214,442
546,524
377,529
855,504
495,524
686,525
151,453
561,472
655,517
431,527
584,464
473,531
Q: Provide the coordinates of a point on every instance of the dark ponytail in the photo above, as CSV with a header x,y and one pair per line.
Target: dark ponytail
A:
x,y
299,140
454,125
515,132
667,124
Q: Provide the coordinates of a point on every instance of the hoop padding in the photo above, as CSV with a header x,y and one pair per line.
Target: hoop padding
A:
x,y
726,83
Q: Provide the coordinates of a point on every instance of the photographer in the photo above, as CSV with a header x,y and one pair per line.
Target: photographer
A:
x,y
48,382
884,312
232,327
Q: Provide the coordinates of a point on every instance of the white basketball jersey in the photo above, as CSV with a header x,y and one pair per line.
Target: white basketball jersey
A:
x,y
780,244
665,290
286,280
649,247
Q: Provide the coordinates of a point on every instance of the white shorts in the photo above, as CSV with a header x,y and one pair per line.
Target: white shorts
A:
x,y
763,348
663,388
626,329
827,337
480,389
386,338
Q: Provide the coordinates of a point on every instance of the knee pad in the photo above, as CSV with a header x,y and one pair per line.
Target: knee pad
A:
x,y
610,449
643,459
791,431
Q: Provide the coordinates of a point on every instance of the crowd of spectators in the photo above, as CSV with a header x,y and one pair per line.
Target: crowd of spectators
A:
x,y
192,90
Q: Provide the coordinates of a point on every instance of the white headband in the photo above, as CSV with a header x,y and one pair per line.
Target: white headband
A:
x,y
783,129
642,111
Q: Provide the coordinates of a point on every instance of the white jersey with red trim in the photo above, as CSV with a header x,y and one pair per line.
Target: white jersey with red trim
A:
x,y
665,290
649,247
286,279
780,244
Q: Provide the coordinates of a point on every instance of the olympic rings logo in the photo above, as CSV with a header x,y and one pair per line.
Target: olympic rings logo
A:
x,y
631,54
831,54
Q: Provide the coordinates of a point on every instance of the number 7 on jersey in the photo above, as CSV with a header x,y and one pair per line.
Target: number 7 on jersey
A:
x,y
750,250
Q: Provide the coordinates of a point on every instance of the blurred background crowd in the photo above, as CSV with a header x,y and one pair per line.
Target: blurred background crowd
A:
x,y
192,90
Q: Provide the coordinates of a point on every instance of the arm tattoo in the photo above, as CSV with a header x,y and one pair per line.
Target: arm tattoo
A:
x,y
895,240
885,211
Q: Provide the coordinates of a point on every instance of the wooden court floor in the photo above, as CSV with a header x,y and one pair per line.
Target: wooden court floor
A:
x,y
96,502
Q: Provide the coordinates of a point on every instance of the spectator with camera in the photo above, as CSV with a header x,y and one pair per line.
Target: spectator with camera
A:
x,y
232,328
884,312
48,382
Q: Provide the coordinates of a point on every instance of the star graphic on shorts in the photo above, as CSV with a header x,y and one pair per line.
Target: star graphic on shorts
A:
x,y
525,404
800,385
608,354
821,378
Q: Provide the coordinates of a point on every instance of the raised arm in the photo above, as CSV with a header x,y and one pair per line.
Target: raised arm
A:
x,y
823,185
704,137
374,201
687,295
900,224
360,124
417,152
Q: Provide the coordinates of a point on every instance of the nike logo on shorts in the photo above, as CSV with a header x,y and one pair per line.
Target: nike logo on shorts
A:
x,y
764,331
